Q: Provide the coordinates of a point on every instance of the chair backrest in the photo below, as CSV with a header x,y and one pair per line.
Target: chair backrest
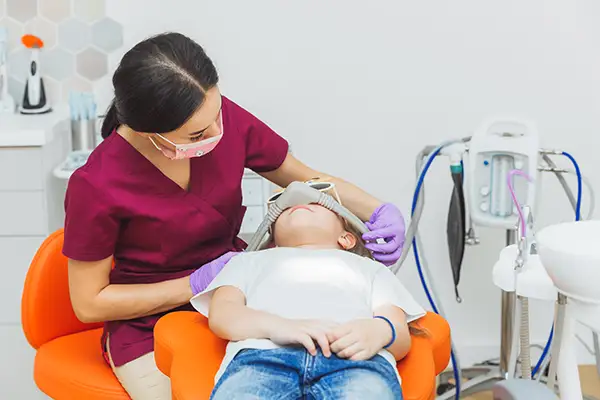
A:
x,y
46,310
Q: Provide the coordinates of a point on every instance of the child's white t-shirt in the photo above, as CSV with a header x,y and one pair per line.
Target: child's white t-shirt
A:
x,y
297,283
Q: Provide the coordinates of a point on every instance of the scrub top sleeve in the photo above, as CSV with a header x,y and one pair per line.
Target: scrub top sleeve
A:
x,y
238,272
265,149
91,228
387,289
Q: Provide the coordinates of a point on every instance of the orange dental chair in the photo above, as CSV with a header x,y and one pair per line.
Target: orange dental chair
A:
x,y
69,363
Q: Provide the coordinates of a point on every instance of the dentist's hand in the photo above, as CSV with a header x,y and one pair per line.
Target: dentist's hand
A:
x,y
386,223
203,276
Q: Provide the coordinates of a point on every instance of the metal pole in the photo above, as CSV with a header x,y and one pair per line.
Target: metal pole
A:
x,y
507,313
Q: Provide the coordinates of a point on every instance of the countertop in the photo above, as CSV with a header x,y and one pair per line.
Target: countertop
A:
x,y
18,130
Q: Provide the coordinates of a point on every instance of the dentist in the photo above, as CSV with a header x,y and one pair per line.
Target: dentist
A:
x,y
161,198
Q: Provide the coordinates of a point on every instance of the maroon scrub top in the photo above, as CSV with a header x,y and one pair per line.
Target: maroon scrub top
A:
x,y
120,204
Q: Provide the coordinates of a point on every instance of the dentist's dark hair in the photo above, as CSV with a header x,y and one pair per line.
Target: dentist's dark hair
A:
x,y
159,84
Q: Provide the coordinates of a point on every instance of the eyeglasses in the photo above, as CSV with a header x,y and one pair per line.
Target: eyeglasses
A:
x,y
324,187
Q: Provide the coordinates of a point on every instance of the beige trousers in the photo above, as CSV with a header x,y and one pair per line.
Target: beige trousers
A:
x,y
142,379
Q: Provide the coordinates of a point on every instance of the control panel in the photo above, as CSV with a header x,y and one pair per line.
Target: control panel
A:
x,y
498,147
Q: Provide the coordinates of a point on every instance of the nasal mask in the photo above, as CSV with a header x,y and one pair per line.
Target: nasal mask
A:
x,y
323,187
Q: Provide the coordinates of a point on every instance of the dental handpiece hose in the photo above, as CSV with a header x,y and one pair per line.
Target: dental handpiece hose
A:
x,y
422,167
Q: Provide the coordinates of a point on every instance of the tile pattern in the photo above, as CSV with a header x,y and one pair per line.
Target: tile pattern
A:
x,y
92,64
78,39
74,35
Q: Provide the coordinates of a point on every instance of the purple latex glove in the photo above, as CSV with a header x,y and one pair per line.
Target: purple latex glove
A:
x,y
386,223
203,276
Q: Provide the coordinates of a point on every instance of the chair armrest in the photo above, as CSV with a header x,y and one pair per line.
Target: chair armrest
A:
x,y
427,358
189,353
418,370
438,334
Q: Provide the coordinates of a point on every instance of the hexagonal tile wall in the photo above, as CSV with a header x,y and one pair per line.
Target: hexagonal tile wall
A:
x,y
57,63
14,31
77,36
89,10
21,10
52,88
107,34
44,29
92,64
18,64
74,35
16,89
75,84
55,10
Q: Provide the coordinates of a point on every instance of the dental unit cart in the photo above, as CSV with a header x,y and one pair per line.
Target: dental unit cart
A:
x,y
491,172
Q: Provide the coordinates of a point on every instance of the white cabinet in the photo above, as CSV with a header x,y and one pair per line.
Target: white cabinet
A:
x,y
31,201
255,192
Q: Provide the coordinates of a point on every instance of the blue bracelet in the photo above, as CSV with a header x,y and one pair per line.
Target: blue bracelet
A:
x,y
391,327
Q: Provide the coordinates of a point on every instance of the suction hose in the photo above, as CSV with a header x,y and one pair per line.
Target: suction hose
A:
x,y
524,339
298,193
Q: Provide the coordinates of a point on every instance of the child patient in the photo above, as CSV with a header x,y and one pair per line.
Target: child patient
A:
x,y
310,318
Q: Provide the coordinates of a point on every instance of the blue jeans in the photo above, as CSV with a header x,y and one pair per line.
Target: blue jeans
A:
x,y
292,373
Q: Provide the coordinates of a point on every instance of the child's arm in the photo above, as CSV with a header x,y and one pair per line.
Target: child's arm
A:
x,y
397,317
230,319
361,339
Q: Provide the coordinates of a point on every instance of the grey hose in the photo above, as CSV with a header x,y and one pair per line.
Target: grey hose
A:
x,y
573,201
413,233
298,193
524,339
416,217
563,182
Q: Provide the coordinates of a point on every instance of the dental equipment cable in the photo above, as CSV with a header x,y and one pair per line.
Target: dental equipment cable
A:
x,y
577,218
592,200
416,200
416,216
413,238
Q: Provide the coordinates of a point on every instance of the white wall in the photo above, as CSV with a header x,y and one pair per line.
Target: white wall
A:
x,y
360,87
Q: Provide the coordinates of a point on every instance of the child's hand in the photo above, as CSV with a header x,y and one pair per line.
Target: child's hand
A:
x,y
303,332
360,339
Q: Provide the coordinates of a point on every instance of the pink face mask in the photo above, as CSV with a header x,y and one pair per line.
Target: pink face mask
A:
x,y
189,150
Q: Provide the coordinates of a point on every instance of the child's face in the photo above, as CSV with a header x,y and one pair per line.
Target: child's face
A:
x,y
311,225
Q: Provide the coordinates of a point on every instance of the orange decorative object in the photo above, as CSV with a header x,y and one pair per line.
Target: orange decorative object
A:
x,y
32,42
69,363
